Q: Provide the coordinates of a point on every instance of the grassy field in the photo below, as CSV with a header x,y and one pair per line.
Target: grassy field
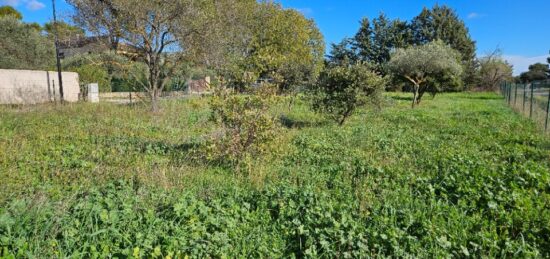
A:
x,y
462,175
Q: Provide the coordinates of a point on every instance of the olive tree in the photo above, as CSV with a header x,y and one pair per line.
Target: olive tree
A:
x,y
426,66
155,30
340,90
23,47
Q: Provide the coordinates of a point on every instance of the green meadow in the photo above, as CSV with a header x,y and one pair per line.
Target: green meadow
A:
x,y
461,175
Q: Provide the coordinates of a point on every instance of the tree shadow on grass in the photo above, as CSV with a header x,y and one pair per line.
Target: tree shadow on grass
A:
x,y
474,97
402,98
293,123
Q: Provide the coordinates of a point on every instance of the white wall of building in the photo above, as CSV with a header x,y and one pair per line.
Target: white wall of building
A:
x,y
32,86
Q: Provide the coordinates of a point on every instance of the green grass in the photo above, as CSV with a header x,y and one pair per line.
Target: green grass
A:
x,y
461,175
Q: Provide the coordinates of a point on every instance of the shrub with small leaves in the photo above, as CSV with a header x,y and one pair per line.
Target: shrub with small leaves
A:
x,y
245,126
342,89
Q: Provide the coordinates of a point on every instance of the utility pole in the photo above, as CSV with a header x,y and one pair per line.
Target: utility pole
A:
x,y
56,37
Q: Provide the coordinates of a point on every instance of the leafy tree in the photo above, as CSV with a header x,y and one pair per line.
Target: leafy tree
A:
x,y
442,23
156,29
375,40
65,31
247,40
92,68
10,11
23,47
99,17
536,72
342,89
427,67
493,69
342,53
284,46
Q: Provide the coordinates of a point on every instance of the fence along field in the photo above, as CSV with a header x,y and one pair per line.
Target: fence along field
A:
x,y
531,100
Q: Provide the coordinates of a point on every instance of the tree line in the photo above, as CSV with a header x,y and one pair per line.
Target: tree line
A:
x,y
156,45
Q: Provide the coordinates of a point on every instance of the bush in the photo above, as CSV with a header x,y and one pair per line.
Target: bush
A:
x,y
245,126
342,89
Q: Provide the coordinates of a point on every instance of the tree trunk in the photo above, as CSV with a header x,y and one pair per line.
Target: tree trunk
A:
x,y
419,98
415,93
154,101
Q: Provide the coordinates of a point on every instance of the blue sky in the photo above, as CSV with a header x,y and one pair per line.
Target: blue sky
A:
x,y
521,29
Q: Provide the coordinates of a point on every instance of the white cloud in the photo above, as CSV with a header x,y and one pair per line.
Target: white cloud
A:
x,y
32,5
305,11
475,15
521,63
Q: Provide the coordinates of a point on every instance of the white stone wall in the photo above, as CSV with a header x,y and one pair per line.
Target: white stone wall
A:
x,y
32,86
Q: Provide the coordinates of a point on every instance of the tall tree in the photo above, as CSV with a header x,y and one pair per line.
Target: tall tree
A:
x,y
536,72
10,11
285,46
23,47
65,31
442,23
100,17
156,30
248,40
426,66
377,39
342,53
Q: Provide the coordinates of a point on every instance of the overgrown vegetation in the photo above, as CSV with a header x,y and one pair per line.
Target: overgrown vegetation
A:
x,y
461,175
246,128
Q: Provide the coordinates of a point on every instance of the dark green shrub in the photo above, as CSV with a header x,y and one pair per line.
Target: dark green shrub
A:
x,y
342,89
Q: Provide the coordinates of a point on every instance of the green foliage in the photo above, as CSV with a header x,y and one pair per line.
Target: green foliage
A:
x,y
65,31
261,40
375,41
343,89
113,73
245,127
342,54
23,47
428,67
536,72
461,176
442,23
10,11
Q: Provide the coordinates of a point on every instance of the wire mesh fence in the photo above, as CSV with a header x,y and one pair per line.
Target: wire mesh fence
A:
x,y
531,99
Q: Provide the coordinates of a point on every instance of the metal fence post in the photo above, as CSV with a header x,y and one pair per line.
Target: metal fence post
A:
x,y
524,96
547,110
531,103
510,102
509,93
516,95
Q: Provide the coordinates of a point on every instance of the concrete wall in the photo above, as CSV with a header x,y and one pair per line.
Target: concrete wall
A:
x,y
31,86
